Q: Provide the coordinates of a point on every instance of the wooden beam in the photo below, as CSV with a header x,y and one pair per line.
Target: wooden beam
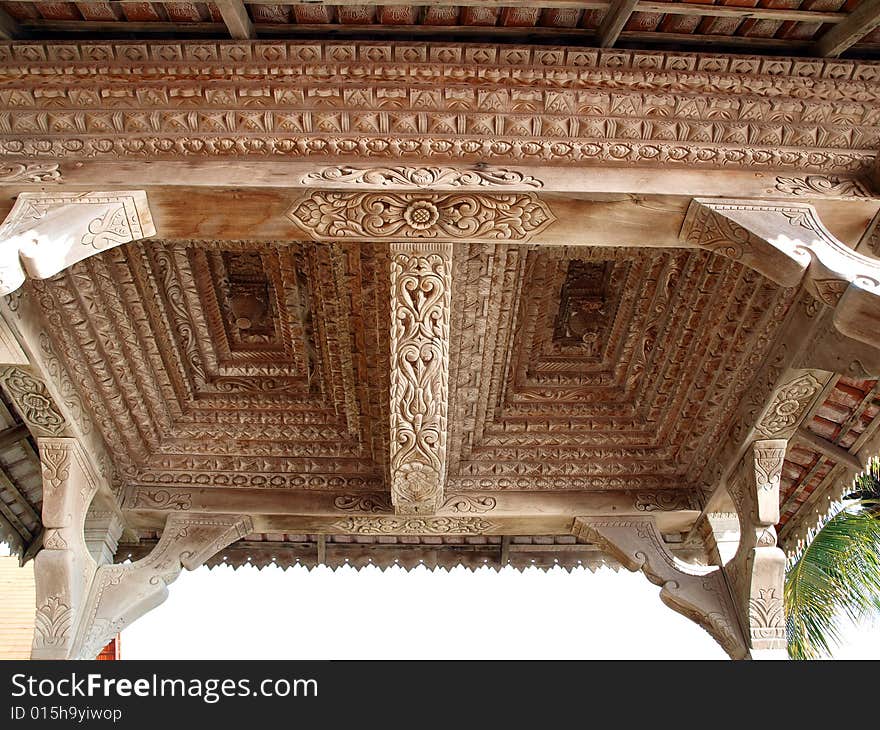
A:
x,y
860,22
9,27
614,21
236,17
831,450
13,435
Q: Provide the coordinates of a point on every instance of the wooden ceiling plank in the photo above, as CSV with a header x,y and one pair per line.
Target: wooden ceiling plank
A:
x,y
864,19
614,21
236,17
13,435
7,483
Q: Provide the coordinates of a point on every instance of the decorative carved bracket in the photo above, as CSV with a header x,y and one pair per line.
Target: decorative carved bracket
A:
x,y
756,573
785,243
699,594
421,283
81,605
47,232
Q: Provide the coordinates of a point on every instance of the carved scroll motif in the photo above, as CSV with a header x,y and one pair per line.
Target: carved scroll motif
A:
x,y
408,216
421,177
821,185
421,280
31,172
470,503
369,502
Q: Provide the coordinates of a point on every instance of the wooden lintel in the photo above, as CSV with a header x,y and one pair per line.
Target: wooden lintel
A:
x,y
831,450
614,21
236,17
860,22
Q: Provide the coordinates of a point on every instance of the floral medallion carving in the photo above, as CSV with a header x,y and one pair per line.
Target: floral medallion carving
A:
x,y
33,401
421,177
407,216
788,405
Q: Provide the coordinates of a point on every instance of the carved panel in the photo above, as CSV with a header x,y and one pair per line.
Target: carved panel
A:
x,y
405,216
30,172
33,401
414,526
787,408
421,283
420,177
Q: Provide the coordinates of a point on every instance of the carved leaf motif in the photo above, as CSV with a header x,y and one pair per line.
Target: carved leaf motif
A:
x,y
405,216
768,467
664,501
56,466
52,623
110,229
421,177
766,615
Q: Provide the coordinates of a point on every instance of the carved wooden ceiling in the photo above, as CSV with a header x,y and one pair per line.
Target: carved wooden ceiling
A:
x,y
794,26
265,365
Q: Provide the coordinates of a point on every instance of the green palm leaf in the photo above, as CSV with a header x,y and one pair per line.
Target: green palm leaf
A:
x,y
836,575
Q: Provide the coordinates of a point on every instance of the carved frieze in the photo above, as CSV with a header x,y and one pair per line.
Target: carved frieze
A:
x,y
420,177
412,525
408,216
398,101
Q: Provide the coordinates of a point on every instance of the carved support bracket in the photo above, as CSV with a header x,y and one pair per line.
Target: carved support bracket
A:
x,y
701,594
81,605
421,282
45,233
756,573
787,242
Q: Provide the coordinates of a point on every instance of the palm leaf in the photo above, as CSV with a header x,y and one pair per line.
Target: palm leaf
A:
x,y
836,574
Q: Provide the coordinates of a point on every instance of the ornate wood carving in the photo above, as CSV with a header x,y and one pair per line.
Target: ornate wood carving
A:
x,y
123,593
410,525
34,402
420,177
47,232
825,185
30,172
789,404
406,216
756,573
787,242
699,594
399,101
421,285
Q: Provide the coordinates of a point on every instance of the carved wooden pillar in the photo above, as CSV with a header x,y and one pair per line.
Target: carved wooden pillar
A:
x,y
421,280
63,569
81,605
700,593
45,233
756,573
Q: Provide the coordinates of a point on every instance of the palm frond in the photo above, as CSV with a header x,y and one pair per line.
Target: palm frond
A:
x,y
836,574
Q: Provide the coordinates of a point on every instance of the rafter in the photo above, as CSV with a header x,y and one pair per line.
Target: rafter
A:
x,y
614,21
860,22
10,30
236,17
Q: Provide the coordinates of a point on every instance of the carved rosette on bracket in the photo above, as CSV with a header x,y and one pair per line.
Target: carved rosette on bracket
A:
x,y
421,282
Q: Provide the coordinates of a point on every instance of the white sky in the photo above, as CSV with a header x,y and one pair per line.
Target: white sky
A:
x,y
346,614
